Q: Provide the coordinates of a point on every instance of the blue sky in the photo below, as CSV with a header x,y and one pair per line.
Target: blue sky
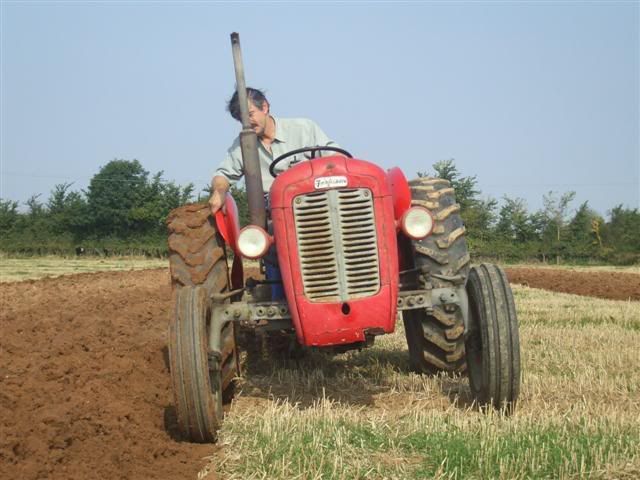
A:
x,y
528,96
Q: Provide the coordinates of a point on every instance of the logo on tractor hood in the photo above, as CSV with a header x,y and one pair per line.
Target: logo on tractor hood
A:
x,y
330,182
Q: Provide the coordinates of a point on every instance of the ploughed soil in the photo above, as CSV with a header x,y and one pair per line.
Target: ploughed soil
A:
x,y
613,285
84,384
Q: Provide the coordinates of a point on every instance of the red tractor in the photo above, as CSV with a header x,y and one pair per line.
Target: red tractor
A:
x,y
346,247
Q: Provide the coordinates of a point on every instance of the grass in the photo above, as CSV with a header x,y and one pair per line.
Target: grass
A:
x,y
366,415
13,269
579,268
563,310
17,268
333,442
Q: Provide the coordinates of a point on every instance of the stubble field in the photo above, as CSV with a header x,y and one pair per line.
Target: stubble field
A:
x,y
84,393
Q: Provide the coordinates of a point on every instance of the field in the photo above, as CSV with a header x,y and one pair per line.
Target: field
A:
x,y
29,268
84,393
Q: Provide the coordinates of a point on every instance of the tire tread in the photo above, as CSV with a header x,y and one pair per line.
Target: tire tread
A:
x,y
198,268
493,314
435,340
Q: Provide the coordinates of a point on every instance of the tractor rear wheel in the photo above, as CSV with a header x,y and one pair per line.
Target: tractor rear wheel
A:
x,y
493,343
201,377
436,340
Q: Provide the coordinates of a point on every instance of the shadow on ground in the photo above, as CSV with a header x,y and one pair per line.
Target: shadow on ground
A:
x,y
458,391
308,376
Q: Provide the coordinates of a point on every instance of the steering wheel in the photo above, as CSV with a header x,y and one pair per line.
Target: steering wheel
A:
x,y
313,150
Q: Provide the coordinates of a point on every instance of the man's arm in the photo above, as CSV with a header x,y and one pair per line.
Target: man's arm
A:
x,y
219,188
230,170
322,140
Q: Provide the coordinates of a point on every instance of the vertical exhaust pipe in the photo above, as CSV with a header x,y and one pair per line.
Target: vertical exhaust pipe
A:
x,y
248,144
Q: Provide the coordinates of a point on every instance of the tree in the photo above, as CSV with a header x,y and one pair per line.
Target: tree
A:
x,y
622,232
173,195
8,214
480,218
156,199
35,206
465,187
31,229
478,215
555,212
58,198
124,202
67,211
515,222
239,194
113,192
584,230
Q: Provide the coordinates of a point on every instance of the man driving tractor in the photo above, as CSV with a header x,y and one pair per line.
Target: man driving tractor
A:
x,y
277,136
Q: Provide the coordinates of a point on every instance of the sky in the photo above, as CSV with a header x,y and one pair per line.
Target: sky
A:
x,y
530,97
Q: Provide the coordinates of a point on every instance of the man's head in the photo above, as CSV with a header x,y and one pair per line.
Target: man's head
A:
x,y
258,109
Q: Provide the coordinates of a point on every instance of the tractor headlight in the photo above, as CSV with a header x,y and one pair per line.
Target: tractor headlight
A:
x,y
417,223
253,242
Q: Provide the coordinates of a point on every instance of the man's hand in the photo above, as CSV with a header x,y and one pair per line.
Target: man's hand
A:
x,y
216,201
219,187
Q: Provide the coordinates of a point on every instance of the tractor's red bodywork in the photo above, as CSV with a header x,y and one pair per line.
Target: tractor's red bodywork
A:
x,y
228,224
345,247
339,323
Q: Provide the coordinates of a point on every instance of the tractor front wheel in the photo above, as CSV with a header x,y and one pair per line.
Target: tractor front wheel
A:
x,y
202,374
197,382
492,343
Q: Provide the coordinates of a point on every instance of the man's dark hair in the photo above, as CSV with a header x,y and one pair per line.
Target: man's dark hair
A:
x,y
254,95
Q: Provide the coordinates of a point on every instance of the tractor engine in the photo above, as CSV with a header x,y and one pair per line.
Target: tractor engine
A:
x,y
335,233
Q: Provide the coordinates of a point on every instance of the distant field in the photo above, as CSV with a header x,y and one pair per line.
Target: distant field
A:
x,y
14,269
26,268
579,268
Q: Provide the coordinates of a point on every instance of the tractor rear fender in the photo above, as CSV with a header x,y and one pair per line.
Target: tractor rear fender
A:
x,y
400,191
401,195
228,224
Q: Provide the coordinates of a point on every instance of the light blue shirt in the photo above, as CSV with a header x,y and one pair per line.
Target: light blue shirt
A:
x,y
291,134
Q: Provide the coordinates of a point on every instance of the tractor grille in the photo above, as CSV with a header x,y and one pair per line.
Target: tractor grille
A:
x,y
337,244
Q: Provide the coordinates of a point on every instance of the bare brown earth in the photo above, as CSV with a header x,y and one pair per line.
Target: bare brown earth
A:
x,y
613,285
84,385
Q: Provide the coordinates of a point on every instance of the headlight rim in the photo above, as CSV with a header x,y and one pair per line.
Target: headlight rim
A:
x,y
267,244
405,229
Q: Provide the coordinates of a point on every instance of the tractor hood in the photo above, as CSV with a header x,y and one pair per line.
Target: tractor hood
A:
x,y
334,228
325,173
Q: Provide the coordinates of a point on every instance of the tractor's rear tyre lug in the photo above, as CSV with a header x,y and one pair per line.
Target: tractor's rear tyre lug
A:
x,y
435,339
